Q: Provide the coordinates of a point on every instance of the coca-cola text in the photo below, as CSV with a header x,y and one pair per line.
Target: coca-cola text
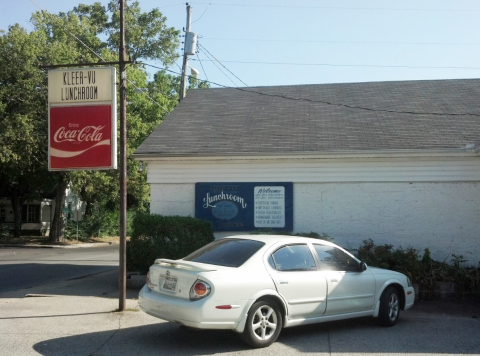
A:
x,y
88,133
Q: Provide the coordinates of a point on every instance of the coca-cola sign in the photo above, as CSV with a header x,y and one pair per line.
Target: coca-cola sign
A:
x,y
80,137
82,119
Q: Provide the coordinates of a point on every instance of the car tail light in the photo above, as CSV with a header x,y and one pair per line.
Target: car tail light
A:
x,y
199,290
149,281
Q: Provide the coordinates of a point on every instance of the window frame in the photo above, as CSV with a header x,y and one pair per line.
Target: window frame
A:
x,y
352,268
275,264
31,213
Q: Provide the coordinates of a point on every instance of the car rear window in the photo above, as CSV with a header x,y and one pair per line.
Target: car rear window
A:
x,y
226,252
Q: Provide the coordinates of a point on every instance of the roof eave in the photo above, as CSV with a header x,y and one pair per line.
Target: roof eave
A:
x,y
404,153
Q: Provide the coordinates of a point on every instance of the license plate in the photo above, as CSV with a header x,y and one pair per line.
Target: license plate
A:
x,y
170,283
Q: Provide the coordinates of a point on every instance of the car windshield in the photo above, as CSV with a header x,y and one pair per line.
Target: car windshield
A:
x,y
226,252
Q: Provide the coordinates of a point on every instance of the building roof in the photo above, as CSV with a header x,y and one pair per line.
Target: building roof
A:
x,y
301,119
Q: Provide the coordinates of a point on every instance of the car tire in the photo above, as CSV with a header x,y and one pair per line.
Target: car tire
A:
x,y
389,307
264,323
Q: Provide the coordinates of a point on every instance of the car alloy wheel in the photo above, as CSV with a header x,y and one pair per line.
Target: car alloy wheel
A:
x,y
393,307
264,324
389,307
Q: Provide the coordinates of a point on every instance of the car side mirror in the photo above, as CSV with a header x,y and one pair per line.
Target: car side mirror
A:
x,y
362,266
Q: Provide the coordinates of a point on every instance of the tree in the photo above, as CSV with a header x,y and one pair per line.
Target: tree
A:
x,y
87,34
55,36
147,37
23,123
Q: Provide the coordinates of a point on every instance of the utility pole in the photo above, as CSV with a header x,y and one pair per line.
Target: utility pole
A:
x,y
122,274
183,85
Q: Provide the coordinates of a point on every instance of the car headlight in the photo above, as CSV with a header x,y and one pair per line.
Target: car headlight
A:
x,y
199,290
409,282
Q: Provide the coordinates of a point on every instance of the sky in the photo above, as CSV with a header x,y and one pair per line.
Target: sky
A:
x,y
289,42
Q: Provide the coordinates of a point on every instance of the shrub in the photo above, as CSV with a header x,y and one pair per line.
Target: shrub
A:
x,y
406,261
157,236
424,271
5,230
101,224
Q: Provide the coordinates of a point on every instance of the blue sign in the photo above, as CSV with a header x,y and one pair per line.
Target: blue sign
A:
x,y
245,206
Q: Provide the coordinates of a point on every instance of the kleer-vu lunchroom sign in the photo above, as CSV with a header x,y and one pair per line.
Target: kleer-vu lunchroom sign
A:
x,y
82,124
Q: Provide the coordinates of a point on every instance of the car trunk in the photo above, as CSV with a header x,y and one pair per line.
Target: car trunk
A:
x,y
175,278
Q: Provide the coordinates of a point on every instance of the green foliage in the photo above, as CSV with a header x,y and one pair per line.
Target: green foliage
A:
x,y
421,270
5,230
78,36
157,236
103,223
147,35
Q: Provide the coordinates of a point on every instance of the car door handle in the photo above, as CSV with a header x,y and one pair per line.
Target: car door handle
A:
x,y
282,281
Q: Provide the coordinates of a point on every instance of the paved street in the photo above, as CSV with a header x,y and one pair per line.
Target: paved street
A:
x,y
77,317
29,267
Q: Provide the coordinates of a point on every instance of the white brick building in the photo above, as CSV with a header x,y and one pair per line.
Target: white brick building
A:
x,y
397,162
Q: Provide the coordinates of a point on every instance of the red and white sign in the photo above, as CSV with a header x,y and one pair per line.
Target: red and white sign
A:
x,y
82,121
80,137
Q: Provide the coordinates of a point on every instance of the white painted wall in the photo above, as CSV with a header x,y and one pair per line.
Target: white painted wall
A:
x,y
410,202
445,217
172,199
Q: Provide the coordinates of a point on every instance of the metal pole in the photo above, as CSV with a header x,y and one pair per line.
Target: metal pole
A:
x,y
183,85
122,274
76,213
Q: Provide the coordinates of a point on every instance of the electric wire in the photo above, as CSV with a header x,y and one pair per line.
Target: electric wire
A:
x,y
203,69
354,107
345,42
348,65
68,31
96,54
222,64
282,96
220,69
202,14
339,7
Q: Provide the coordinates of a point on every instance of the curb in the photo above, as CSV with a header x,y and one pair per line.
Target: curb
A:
x,y
136,281
85,245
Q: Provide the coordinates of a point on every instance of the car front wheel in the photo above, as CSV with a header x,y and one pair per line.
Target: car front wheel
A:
x,y
389,307
264,323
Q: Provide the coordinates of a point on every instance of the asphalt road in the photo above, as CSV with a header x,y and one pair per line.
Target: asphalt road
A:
x,y
22,268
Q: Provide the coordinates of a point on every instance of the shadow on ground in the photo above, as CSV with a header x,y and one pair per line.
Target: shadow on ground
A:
x,y
414,333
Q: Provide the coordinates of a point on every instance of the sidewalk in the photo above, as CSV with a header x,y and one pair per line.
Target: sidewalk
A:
x,y
43,242
76,317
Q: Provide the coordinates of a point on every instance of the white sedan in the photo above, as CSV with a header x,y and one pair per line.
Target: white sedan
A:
x,y
256,285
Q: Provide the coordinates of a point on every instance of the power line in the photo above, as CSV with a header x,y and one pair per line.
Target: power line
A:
x,y
203,69
355,107
96,54
222,64
69,32
345,42
220,69
346,65
339,7
202,14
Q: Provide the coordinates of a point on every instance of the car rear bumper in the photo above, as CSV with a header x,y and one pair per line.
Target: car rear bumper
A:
x,y
200,314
